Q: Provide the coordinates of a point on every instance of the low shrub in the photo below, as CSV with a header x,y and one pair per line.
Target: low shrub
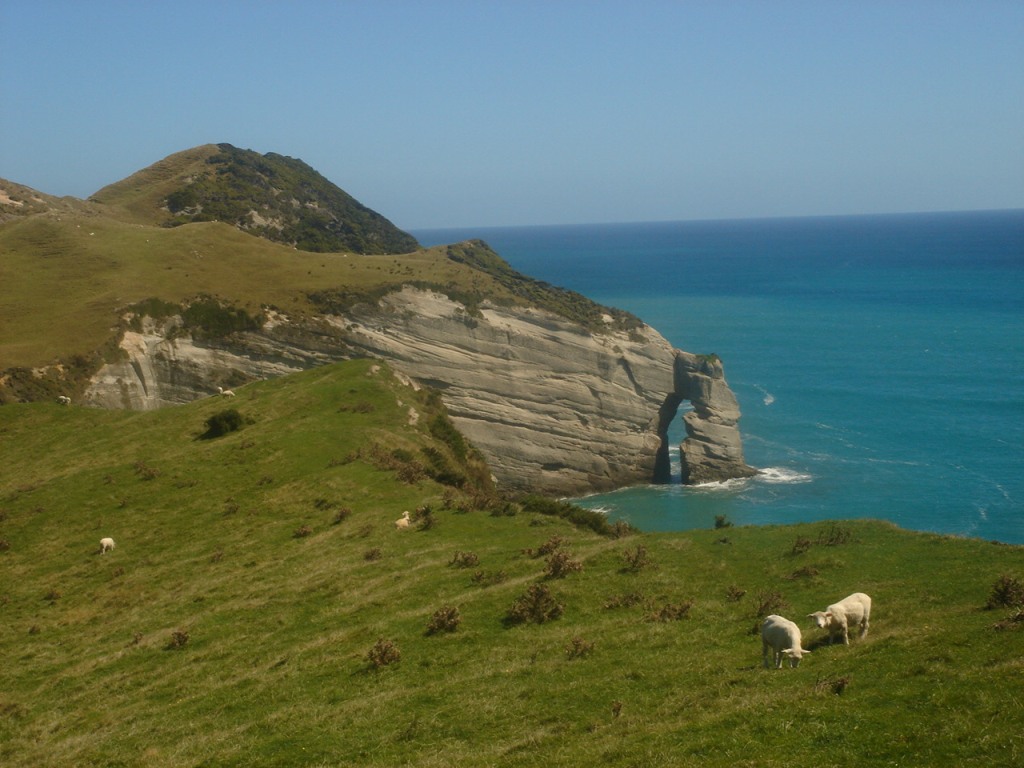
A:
x,y
722,521
464,560
549,546
800,546
179,639
383,653
146,472
578,516
536,606
341,515
578,648
446,619
489,578
423,518
636,559
734,593
222,423
672,611
626,600
766,602
834,535
560,564
302,532
1007,592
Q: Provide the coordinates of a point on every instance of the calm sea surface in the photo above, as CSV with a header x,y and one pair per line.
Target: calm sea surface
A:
x,y
878,360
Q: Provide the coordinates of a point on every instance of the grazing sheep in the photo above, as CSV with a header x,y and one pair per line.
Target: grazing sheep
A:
x,y
225,392
783,637
106,545
854,610
403,522
64,400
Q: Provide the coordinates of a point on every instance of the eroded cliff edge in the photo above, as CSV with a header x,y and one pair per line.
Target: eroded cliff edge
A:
x,y
554,407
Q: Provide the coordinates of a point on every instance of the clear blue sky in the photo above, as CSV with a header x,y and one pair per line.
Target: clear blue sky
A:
x,y
443,113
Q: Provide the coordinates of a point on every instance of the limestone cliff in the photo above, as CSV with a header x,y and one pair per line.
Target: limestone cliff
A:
x,y
554,407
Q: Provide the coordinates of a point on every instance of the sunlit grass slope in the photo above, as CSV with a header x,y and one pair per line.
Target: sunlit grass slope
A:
x,y
255,572
65,278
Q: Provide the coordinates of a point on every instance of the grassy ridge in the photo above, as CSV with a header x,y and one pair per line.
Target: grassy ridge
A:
x,y
255,572
65,278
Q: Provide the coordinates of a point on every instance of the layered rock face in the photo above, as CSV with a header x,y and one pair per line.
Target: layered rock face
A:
x,y
713,449
553,407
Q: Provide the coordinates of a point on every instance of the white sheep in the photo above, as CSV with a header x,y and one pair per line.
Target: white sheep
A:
x,y
851,611
64,400
225,392
404,521
782,636
106,544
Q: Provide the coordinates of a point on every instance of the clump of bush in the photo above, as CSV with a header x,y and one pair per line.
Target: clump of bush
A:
x,y
578,648
423,518
626,600
834,535
578,516
489,578
560,564
722,521
672,611
179,639
146,472
383,653
734,593
549,546
222,423
766,602
800,546
464,560
341,515
372,555
1007,592
832,685
636,559
397,460
445,619
302,532
536,606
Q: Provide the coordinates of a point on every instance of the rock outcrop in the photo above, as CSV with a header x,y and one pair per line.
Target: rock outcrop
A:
x,y
554,407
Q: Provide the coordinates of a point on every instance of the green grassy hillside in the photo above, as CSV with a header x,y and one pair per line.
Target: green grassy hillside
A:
x,y
66,279
259,590
273,196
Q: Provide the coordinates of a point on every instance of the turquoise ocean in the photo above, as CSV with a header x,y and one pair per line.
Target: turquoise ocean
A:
x,y
878,360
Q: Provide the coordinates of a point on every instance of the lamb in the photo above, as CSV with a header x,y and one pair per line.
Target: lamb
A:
x,y
64,400
106,544
225,392
854,610
783,637
404,521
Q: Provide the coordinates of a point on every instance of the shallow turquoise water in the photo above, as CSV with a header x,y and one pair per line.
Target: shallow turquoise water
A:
x,y
878,360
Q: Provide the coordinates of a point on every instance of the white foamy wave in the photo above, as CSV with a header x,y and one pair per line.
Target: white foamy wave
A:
x,y
781,475
769,398
722,485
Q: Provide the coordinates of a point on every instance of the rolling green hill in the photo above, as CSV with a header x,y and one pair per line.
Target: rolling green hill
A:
x,y
71,269
272,196
261,608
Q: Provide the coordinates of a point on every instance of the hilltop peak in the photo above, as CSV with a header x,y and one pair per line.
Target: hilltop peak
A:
x,y
273,196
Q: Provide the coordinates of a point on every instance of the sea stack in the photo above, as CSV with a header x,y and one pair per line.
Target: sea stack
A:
x,y
713,448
